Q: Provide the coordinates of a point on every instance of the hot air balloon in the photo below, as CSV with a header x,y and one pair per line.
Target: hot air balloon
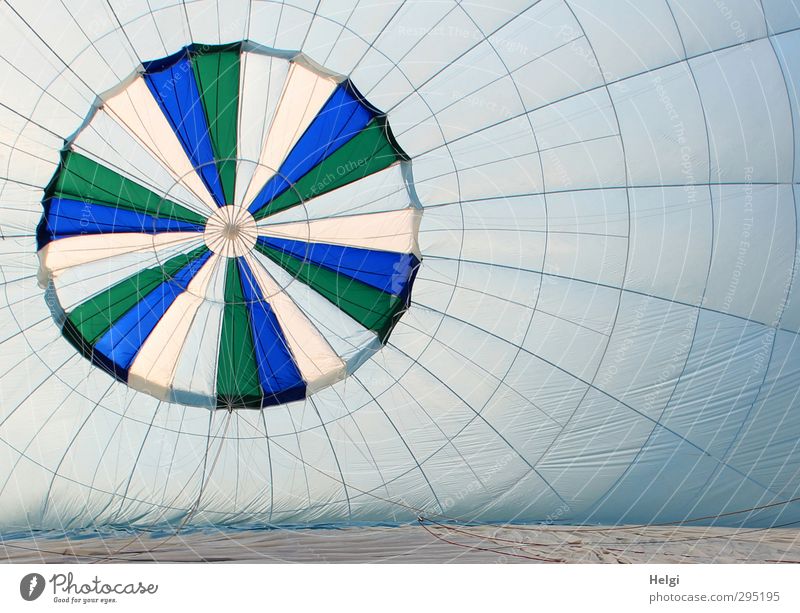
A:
x,y
300,263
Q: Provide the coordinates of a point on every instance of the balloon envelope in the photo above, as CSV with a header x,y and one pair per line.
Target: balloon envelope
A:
x,y
530,262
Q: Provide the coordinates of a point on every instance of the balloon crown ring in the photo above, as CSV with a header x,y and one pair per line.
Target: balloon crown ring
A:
x,y
224,230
